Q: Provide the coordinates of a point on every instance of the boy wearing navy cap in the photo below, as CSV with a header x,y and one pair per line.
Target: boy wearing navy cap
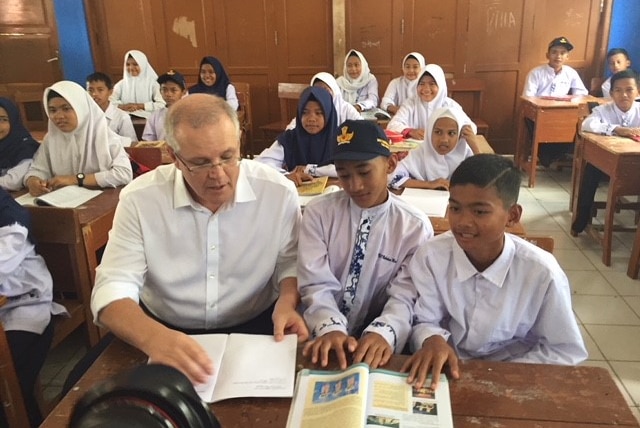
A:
x,y
172,87
353,247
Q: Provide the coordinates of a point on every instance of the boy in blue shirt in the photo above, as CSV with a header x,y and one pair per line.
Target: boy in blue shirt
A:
x,y
484,293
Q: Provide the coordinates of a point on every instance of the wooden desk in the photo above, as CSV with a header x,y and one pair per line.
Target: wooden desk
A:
x,y
617,157
553,122
507,395
58,232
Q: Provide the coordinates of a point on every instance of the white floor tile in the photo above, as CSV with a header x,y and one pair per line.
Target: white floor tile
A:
x,y
634,302
629,375
589,282
604,310
592,348
573,260
624,285
616,342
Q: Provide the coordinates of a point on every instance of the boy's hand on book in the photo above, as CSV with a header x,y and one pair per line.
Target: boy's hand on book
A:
x,y
286,320
62,181
337,341
434,354
37,187
180,351
374,350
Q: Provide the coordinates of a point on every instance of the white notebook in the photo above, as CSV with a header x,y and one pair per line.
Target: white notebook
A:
x,y
65,197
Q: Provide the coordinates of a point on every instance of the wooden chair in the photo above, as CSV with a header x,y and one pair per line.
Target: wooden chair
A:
x,y
28,98
468,91
150,157
544,242
57,232
288,94
596,87
10,391
245,116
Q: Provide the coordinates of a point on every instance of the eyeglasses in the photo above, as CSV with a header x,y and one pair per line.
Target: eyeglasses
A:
x,y
225,164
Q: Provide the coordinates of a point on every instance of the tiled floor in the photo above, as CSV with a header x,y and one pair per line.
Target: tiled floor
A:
x,y
606,301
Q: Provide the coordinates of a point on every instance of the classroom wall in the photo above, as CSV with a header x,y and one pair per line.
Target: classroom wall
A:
x,y
75,49
625,21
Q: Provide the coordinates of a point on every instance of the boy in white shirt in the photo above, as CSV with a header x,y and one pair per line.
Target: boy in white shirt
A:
x,y
353,246
617,60
172,87
484,293
100,87
620,117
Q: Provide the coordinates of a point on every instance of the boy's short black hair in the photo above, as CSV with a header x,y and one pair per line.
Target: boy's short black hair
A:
x,y
485,170
99,76
616,51
625,74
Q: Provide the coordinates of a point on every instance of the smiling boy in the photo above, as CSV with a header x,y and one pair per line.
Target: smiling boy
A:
x,y
484,293
353,246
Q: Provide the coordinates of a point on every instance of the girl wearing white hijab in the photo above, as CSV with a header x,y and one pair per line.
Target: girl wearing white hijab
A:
x,y
79,148
413,115
343,109
403,87
359,86
138,89
430,166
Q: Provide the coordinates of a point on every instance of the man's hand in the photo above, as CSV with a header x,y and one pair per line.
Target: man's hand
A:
x,y
337,341
434,354
298,176
373,349
180,351
286,320
62,181
37,186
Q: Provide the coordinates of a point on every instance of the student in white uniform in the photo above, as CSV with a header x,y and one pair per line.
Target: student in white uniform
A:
x,y
353,246
17,147
413,115
617,60
305,151
138,89
403,87
619,117
487,294
430,166
172,87
100,87
79,148
359,86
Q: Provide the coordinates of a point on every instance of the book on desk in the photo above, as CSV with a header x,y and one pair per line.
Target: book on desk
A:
x,y
360,397
65,197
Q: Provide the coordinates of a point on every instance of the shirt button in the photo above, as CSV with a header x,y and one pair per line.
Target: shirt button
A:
x,y
212,276
213,247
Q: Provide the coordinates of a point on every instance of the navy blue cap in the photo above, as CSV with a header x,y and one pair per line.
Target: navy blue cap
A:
x,y
561,41
360,140
175,77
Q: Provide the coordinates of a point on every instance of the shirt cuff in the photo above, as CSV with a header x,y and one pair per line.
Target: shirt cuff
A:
x,y
328,325
386,331
311,169
422,333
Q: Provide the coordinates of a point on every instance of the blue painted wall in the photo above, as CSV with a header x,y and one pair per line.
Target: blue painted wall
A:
x,y
75,49
625,21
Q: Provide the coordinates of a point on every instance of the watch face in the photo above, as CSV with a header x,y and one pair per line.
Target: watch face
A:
x,y
80,176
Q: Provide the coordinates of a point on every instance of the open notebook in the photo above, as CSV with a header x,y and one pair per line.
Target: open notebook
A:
x,y
65,197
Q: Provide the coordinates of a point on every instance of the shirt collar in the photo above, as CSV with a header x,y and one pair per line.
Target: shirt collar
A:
x,y
496,273
358,212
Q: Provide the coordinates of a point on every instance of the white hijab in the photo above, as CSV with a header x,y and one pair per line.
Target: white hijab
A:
x,y
86,148
425,163
406,87
419,110
338,101
138,89
350,86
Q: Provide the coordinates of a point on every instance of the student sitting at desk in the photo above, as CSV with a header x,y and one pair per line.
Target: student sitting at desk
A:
x,y
359,86
431,93
445,146
17,147
620,117
403,87
100,87
79,148
484,293
353,246
26,316
618,60
305,151
553,79
213,79
204,245
138,89
172,87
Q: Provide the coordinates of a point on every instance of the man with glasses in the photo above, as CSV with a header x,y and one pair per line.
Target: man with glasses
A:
x,y
204,245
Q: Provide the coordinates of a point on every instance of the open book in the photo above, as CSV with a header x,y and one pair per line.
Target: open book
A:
x,y
375,114
359,397
570,98
304,200
313,187
65,197
248,365
431,202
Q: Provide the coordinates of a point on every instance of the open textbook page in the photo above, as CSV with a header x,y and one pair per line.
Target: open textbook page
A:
x,y
65,197
248,365
359,398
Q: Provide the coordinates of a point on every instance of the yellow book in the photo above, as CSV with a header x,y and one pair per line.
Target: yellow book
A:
x,y
313,187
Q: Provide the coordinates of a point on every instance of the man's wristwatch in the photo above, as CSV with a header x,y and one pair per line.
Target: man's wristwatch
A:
x,y
80,178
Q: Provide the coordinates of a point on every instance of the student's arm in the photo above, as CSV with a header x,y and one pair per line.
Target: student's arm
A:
x,y
39,172
606,88
319,288
350,112
328,170
556,333
14,177
471,138
120,172
127,130
232,97
273,156
369,97
116,96
13,243
390,98
286,318
157,102
530,85
437,184
401,120
577,85
598,124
